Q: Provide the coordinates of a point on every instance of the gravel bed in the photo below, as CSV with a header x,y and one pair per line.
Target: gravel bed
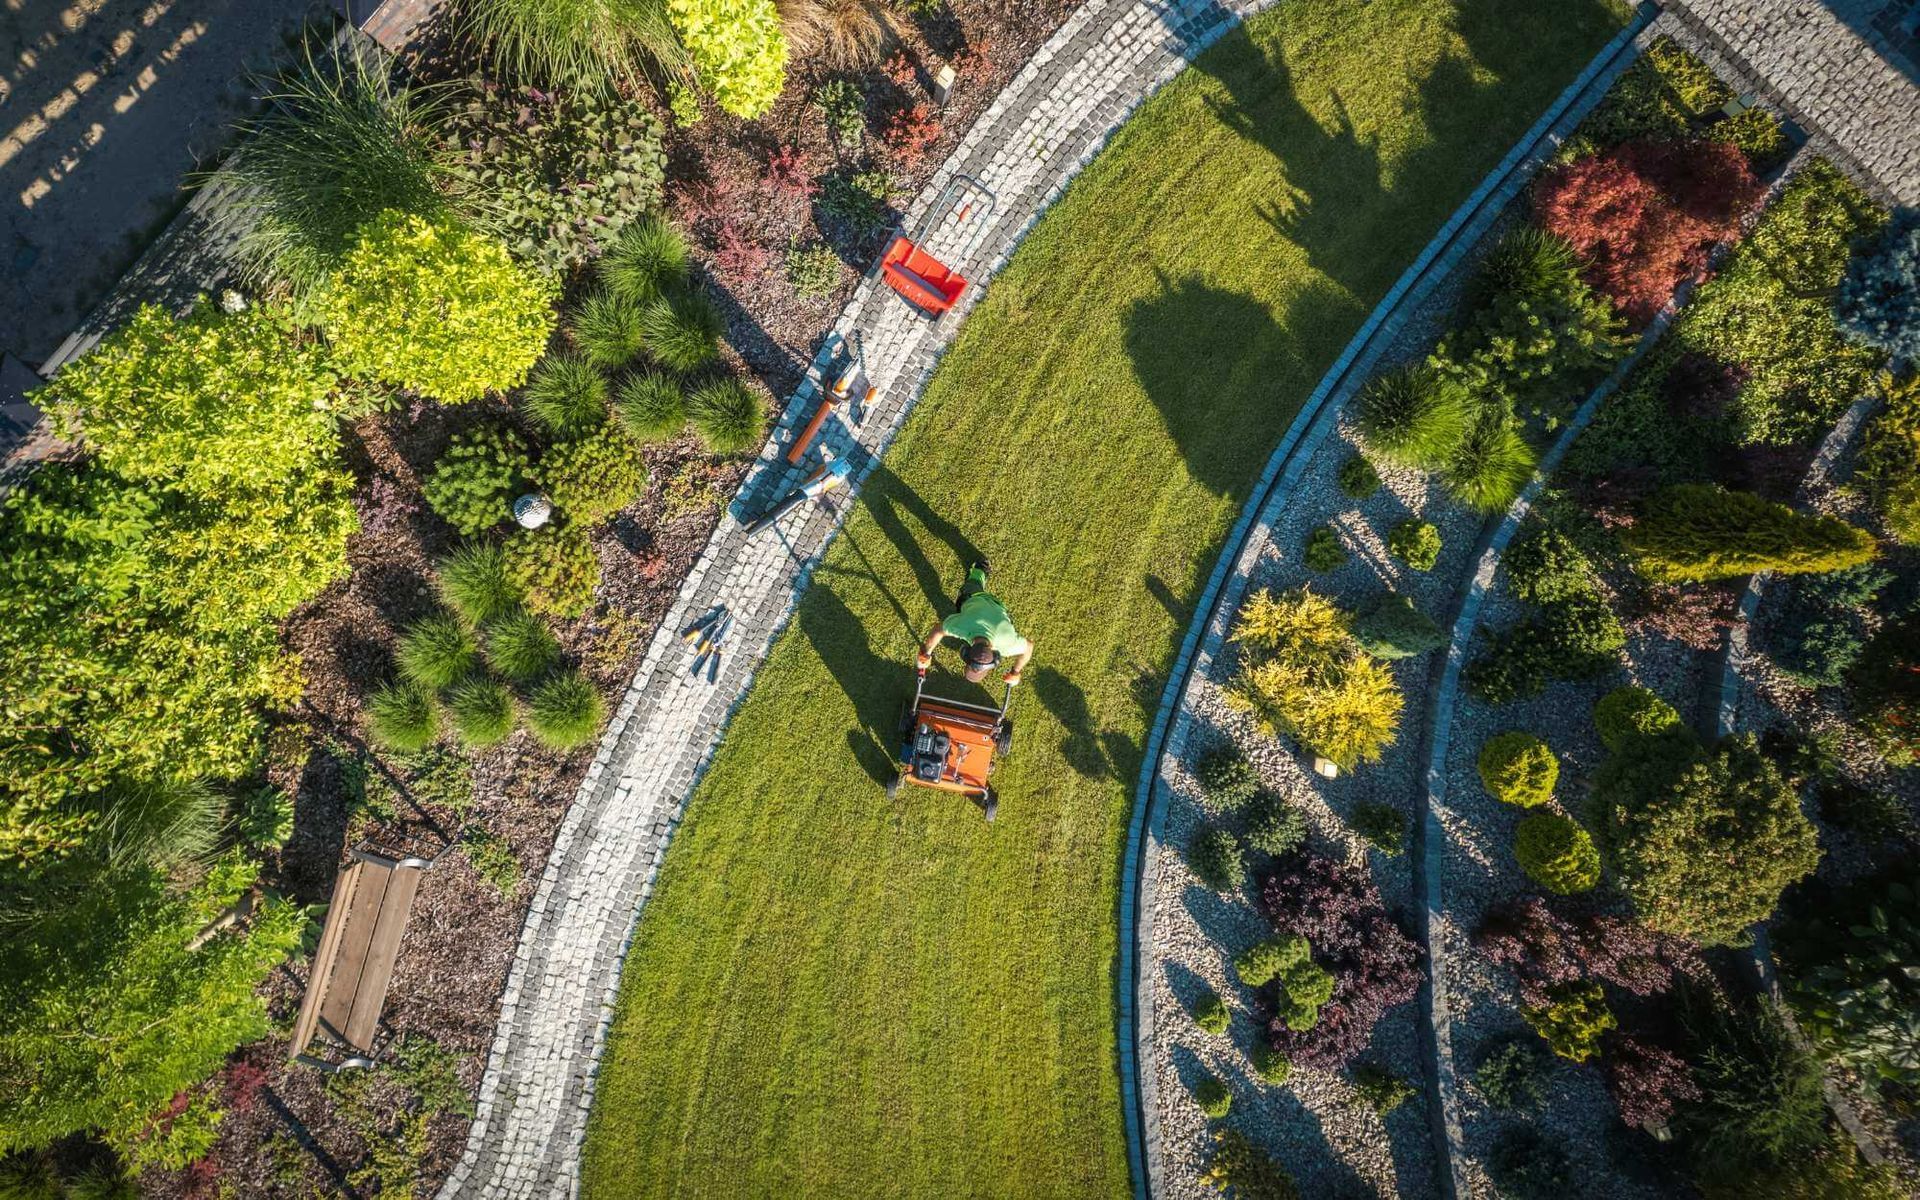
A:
x,y
1333,1143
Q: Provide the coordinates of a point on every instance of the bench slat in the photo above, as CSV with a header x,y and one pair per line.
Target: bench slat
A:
x,y
370,996
369,894
324,956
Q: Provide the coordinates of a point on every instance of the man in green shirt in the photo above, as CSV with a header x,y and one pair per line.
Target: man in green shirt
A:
x,y
983,625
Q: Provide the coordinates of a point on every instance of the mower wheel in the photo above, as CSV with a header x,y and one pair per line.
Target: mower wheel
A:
x,y
1003,740
989,803
893,785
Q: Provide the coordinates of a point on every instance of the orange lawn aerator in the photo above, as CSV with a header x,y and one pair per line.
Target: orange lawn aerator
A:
x,y
950,745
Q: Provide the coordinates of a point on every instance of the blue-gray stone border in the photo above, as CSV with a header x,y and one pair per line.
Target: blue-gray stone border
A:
x,y
1226,586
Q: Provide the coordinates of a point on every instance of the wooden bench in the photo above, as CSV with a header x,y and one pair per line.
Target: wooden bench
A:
x,y
372,899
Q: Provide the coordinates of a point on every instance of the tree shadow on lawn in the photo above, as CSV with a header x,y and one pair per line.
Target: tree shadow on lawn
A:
x,y
878,684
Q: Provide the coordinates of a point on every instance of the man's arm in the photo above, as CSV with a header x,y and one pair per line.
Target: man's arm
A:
x,y
1020,663
930,644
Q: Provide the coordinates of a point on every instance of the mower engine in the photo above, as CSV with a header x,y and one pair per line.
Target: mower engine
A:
x,y
928,760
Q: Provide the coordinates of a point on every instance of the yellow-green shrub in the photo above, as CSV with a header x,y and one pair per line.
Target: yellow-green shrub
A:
x,y
737,48
1696,532
432,306
1307,677
1519,769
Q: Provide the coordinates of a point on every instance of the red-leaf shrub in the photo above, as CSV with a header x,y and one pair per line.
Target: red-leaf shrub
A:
x,y
1644,215
1646,1082
736,253
789,174
1373,963
910,133
1545,950
1693,614
244,1081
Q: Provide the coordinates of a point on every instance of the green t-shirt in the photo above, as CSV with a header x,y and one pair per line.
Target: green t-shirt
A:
x,y
984,616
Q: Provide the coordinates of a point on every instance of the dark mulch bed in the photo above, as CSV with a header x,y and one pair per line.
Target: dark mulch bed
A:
x,y
290,1130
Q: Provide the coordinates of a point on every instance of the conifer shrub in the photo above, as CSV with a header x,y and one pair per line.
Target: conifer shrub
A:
x,y
1211,1015
1381,826
1415,543
1306,676
1274,826
1358,479
1271,1065
555,568
1878,302
1626,715
1213,1097
1394,628
1301,985
1572,1021
1512,1076
1217,861
1694,532
1227,780
592,477
1323,551
1556,853
567,395
1380,1089
473,485
652,408
1519,769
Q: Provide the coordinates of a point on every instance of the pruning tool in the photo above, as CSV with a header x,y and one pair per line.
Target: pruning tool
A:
x,y
704,624
708,654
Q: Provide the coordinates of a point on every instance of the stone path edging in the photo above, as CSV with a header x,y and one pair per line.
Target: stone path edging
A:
x,y
1226,586
1444,693
537,1090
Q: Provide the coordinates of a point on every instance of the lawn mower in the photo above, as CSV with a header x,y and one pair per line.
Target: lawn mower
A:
x,y
950,745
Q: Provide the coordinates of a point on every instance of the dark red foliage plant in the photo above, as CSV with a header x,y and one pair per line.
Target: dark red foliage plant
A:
x,y
736,253
1646,1082
1546,950
244,1081
910,133
1694,614
1374,964
789,174
1645,215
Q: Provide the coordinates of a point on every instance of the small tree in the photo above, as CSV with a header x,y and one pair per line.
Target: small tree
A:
x,y
1695,532
431,306
1709,853
1307,677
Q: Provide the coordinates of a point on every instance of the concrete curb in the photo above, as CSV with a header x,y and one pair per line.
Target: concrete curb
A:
x,y
1228,582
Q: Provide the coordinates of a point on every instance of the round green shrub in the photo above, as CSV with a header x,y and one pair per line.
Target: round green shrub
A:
x,y
1573,1020
1358,479
609,329
482,711
1215,856
647,260
567,395
652,408
473,485
1380,1089
1524,1165
593,477
1512,1076
555,568
437,652
1415,416
727,416
403,717
1415,543
1210,1014
1227,780
1626,715
1556,853
1489,466
1518,768
682,331
1274,826
1381,826
1394,628
1213,1097
565,711
1323,550
473,581
1270,1064
521,647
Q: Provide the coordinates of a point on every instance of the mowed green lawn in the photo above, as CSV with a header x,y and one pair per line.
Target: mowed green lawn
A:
x,y
831,995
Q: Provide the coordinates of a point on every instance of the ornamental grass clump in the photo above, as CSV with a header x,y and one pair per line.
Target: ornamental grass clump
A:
x,y
645,263
1489,465
609,329
1415,416
1696,532
1556,853
566,396
651,408
403,717
593,477
1518,769
482,711
682,332
521,647
437,652
431,306
727,415
565,711
473,580
582,44
1304,675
